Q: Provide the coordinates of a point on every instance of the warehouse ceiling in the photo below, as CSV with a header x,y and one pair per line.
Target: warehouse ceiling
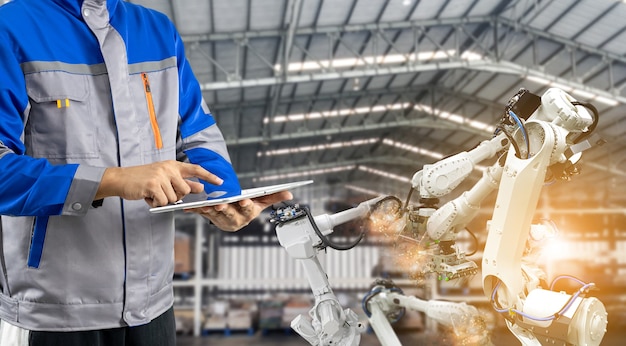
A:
x,y
359,94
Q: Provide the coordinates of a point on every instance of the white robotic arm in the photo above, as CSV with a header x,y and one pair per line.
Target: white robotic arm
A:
x,y
543,147
386,302
534,314
303,235
439,179
545,144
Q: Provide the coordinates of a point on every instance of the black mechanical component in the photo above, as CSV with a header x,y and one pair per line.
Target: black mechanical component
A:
x,y
379,286
287,213
523,103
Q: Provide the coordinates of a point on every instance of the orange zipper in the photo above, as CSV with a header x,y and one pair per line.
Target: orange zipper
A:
x,y
153,120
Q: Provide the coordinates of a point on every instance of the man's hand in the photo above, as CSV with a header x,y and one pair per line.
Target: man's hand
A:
x,y
158,183
234,216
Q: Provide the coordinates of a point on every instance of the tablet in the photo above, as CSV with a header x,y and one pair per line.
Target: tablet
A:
x,y
245,193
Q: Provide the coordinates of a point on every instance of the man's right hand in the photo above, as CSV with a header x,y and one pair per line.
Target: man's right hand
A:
x,y
158,183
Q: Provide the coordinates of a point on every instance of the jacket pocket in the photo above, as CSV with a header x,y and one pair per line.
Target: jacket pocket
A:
x,y
156,131
61,124
37,239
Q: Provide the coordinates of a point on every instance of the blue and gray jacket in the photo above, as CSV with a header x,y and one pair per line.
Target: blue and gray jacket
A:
x,y
86,85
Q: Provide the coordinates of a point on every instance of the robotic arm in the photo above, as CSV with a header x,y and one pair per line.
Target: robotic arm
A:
x,y
534,314
542,148
436,228
386,302
303,236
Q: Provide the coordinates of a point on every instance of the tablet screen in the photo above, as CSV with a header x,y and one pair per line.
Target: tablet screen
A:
x,y
245,194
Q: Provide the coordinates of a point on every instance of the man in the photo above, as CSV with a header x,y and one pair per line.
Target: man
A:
x,y
100,119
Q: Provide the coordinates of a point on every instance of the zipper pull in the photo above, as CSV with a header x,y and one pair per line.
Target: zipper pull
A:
x,y
146,82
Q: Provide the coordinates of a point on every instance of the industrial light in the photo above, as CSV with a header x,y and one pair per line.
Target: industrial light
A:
x,y
367,60
588,95
383,108
385,174
336,113
455,118
304,174
319,147
414,149
363,190
357,142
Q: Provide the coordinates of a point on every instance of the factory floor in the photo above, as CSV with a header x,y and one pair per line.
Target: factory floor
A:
x,y
502,337
295,340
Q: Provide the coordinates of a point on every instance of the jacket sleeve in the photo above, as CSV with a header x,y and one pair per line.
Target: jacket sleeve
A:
x,y
200,140
32,186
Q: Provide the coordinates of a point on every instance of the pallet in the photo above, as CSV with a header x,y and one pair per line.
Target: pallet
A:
x,y
229,331
182,276
268,331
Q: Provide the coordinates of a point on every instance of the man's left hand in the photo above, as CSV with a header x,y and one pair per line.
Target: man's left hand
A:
x,y
234,216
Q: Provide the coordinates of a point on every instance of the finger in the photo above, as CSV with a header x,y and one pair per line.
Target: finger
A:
x,y
229,214
244,203
150,202
210,211
158,198
220,207
189,170
265,201
169,192
181,187
226,210
247,208
195,186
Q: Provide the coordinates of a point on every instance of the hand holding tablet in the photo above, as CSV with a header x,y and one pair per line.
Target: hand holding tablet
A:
x,y
245,194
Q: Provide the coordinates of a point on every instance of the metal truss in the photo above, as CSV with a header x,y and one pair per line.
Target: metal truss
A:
x,y
490,44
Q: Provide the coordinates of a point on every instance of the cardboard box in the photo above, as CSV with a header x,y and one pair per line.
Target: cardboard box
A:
x,y
294,307
184,319
239,319
215,322
270,314
183,254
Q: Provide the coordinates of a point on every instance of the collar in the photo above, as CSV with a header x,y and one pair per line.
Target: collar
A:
x,y
74,6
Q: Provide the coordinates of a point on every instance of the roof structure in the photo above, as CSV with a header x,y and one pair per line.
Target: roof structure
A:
x,y
359,94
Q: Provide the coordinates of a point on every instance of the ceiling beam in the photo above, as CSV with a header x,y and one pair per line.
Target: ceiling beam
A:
x,y
426,122
361,93
336,29
409,24
479,65
564,41
387,160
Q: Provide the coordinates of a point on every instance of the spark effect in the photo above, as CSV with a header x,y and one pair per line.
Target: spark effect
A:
x,y
470,330
408,255
413,253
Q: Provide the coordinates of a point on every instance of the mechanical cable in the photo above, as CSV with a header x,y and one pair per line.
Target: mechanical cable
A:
x,y
565,307
408,198
523,129
328,242
475,242
569,277
593,125
512,141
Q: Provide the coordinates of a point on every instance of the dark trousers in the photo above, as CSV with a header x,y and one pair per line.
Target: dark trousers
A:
x,y
159,332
